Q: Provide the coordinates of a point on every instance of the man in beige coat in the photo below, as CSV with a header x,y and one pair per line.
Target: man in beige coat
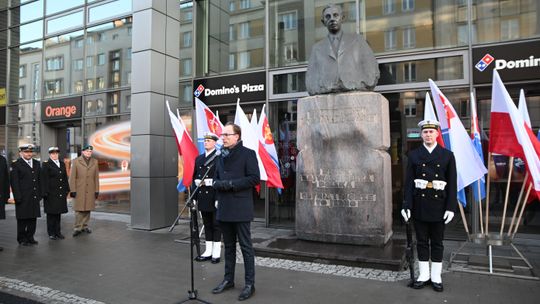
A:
x,y
84,185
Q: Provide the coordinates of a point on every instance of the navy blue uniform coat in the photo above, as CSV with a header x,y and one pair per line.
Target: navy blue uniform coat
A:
x,y
240,167
54,187
206,195
25,185
428,204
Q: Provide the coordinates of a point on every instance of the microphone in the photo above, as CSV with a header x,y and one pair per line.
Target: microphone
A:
x,y
211,159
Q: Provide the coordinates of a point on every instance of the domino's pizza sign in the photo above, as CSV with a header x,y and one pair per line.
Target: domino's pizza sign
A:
x,y
198,91
514,62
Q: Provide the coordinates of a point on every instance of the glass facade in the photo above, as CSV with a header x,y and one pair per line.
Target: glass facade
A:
x,y
51,50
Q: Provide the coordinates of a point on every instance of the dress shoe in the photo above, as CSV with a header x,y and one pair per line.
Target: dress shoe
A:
x,y
53,237
420,284
87,230
223,286
60,236
246,293
203,258
76,233
33,242
215,260
437,286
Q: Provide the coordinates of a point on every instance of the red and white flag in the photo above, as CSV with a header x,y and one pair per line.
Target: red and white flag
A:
x,y
185,145
206,122
429,114
509,133
270,160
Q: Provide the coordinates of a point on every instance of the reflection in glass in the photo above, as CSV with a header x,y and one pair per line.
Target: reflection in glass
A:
x,y
289,83
29,11
186,29
186,94
62,65
29,56
65,22
27,32
116,102
445,68
54,6
27,133
109,9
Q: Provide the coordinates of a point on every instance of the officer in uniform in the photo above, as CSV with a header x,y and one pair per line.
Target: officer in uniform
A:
x,y
25,184
55,188
430,192
206,198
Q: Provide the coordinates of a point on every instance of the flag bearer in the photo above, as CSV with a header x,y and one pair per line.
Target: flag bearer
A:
x,y
430,192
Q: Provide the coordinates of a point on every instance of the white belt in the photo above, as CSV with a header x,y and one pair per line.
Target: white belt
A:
x,y
423,184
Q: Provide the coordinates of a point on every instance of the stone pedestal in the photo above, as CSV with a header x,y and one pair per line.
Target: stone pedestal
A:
x,y
343,184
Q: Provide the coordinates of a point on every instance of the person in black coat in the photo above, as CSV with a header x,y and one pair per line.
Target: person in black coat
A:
x,y
4,188
25,184
237,173
206,197
54,189
431,194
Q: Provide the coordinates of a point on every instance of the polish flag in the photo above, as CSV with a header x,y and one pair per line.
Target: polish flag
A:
x,y
249,137
509,133
186,148
270,159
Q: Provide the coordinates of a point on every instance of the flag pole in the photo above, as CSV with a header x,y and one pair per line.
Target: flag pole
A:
x,y
487,193
480,208
522,209
511,160
518,202
464,219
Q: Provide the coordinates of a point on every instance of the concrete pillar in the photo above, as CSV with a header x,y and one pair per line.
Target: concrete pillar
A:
x,y
155,72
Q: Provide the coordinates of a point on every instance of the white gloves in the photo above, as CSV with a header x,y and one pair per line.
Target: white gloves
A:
x,y
194,202
208,182
448,216
197,182
216,204
406,214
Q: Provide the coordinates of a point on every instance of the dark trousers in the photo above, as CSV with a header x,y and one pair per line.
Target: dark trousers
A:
x,y
232,231
429,240
26,228
53,224
212,232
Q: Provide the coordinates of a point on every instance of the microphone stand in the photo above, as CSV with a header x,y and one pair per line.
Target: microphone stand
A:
x,y
194,236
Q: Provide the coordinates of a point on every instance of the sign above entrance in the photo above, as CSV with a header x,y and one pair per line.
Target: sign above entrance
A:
x,y
226,89
514,62
61,109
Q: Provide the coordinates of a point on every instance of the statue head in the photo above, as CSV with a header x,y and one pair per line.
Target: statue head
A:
x,y
332,17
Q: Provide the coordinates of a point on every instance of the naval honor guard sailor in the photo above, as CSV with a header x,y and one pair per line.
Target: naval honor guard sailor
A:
x,y
431,194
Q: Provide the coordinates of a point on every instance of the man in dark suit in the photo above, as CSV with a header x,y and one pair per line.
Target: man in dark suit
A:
x,y
4,188
25,184
237,173
55,188
340,62
431,194
206,197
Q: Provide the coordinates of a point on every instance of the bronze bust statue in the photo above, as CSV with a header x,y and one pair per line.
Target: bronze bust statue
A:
x,y
341,62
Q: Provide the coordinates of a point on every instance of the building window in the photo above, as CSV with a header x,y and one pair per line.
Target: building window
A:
x,y
390,39
128,53
115,36
409,108
129,30
78,86
115,68
232,61
22,92
101,59
290,52
244,60
232,32
407,5
389,7
245,4
100,83
186,39
509,29
409,37
89,40
232,5
186,67
22,71
89,84
392,70
78,64
89,61
54,63
352,11
409,72
243,30
53,87
101,37
79,43
289,20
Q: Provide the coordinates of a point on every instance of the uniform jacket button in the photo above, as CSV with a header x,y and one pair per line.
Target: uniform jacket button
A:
x,y
423,174
436,195
436,175
438,165
423,195
423,165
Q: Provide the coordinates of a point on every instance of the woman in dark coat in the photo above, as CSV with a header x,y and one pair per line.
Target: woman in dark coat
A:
x,y
55,188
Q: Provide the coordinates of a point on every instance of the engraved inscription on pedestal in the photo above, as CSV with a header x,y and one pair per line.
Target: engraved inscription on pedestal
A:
x,y
343,172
